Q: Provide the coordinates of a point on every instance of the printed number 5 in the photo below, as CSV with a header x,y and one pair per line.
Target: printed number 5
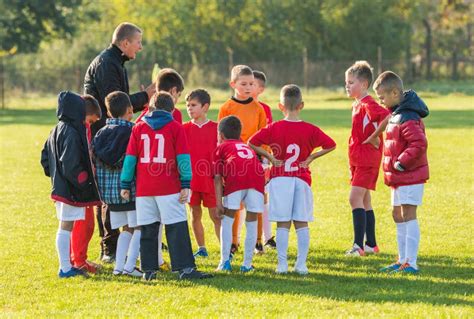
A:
x,y
160,149
292,148
244,151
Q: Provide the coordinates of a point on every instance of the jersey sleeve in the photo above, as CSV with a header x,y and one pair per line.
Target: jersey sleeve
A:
x,y
183,158
262,118
376,112
130,161
321,139
177,116
262,137
222,112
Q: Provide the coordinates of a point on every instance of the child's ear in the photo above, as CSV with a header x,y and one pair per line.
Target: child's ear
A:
x,y
206,106
281,107
301,106
232,84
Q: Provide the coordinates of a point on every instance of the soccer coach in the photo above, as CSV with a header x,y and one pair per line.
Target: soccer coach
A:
x,y
107,74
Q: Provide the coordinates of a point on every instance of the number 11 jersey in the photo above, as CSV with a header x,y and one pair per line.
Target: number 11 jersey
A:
x,y
292,142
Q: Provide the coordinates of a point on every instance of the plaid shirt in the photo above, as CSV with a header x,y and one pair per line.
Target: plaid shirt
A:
x,y
108,178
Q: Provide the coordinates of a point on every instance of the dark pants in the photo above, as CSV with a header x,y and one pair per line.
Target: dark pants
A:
x,y
108,235
179,245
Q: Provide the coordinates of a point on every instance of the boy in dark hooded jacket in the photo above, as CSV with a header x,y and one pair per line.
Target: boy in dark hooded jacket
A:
x,y
65,158
405,164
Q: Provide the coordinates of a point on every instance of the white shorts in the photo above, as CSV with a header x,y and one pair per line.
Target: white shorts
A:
x,y
252,199
165,209
119,219
291,198
408,195
66,212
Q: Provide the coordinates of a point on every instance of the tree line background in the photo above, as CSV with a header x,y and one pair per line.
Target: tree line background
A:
x,y
46,46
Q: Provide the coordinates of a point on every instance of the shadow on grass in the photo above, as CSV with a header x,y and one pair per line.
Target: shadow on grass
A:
x,y
441,281
324,118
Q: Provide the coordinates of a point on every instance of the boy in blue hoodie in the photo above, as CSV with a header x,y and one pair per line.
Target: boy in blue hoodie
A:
x,y
158,153
65,158
108,152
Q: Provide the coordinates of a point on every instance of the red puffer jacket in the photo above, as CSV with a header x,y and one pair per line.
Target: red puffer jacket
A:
x,y
406,143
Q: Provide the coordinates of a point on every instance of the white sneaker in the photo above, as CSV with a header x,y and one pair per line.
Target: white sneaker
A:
x,y
355,251
282,269
116,272
301,271
371,250
134,273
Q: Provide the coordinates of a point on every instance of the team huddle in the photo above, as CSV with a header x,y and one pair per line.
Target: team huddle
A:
x,y
146,172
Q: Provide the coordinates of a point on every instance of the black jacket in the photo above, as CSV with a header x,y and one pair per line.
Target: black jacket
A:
x,y
65,156
107,74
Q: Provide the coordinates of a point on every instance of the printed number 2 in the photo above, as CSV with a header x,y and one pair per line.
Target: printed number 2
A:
x,y
160,150
292,148
244,151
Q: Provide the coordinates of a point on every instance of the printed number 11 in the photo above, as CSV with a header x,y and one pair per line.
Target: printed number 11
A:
x,y
160,149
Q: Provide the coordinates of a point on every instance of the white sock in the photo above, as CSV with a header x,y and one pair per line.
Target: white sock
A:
x,y
401,240
122,247
412,242
302,235
226,237
63,246
267,226
250,241
282,235
161,261
133,251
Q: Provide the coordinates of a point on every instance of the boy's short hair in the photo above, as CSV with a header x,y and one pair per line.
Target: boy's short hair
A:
x,y
161,101
240,70
124,30
169,78
92,106
117,103
362,70
291,97
231,127
259,75
388,80
200,95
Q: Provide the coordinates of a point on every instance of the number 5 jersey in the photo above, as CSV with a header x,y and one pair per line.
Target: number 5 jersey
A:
x,y
292,142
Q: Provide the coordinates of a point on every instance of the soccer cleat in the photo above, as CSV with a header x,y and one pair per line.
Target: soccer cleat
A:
x,y
371,250
90,267
406,269
271,243
149,275
247,269
194,274
301,271
165,267
259,249
391,267
282,269
202,252
73,272
226,266
108,259
355,251
134,273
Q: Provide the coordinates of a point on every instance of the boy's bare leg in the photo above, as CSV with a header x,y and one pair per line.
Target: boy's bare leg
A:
x,y
198,228
216,220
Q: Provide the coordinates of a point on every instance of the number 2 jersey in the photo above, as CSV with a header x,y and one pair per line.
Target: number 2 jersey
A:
x,y
292,142
238,164
158,150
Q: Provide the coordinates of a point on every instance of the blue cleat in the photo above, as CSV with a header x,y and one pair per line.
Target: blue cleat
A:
x,y
247,269
202,252
226,266
391,267
73,272
406,269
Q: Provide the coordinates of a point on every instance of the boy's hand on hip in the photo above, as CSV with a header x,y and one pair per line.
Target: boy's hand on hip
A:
x,y
184,195
374,141
125,193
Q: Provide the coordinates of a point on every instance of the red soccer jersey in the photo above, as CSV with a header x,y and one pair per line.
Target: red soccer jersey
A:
x,y
238,164
268,112
177,116
366,116
156,152
292,142
202,142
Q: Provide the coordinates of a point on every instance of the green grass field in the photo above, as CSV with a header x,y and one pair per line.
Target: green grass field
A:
x,y
336,287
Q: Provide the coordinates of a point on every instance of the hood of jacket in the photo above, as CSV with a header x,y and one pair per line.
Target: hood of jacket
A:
x,y
71,108
411,103
110,143
157,119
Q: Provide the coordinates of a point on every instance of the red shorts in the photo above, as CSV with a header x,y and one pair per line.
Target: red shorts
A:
x,y
364,176
208,199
